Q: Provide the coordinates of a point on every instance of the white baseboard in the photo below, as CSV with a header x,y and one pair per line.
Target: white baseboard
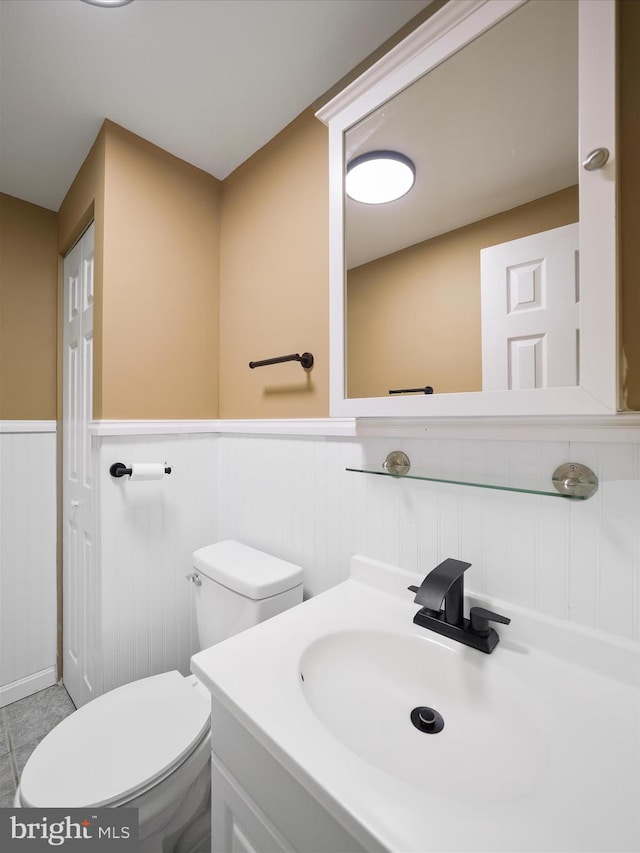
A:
x,y
26,686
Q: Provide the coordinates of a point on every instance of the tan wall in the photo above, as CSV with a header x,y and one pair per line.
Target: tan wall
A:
x,y
413,317
274,274
160,297
156,314
629,183
28,286
274,295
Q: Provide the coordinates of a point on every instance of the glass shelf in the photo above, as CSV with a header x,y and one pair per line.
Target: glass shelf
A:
x,y
545,492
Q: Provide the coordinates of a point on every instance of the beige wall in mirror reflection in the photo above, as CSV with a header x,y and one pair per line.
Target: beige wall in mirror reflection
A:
x,y
413,317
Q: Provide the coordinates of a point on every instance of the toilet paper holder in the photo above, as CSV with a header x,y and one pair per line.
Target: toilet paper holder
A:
x,y
119,469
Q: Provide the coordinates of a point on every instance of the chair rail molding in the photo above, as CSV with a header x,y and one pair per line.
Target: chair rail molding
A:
x,y
260,426
151,427
14,427
622,427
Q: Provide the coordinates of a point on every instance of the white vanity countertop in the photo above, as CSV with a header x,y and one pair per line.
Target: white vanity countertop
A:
x,y
553,765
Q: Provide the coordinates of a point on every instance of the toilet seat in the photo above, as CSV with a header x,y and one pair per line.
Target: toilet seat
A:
x,y
119,745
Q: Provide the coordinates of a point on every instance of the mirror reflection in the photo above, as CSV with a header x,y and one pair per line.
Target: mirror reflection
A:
x,y
469,282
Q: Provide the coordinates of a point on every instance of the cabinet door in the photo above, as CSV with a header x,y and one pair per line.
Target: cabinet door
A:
x,y
238,824
413,310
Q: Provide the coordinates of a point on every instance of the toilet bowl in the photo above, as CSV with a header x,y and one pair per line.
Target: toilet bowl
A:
x,y
147,744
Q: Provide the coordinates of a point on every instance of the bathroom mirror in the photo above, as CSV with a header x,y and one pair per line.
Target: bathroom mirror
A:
x,y
493,279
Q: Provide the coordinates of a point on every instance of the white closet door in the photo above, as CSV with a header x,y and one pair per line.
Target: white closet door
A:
x,y
79,585
530,312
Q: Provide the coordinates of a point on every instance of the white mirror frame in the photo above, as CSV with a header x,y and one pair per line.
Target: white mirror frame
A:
x,y
448,30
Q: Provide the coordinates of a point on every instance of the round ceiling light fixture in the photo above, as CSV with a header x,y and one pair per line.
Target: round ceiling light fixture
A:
x,y
108,3
379,176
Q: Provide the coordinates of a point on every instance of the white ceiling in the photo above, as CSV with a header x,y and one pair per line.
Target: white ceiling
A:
x,y
211,81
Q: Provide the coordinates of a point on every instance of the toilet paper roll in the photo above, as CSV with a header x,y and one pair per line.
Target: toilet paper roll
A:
x,y
147,470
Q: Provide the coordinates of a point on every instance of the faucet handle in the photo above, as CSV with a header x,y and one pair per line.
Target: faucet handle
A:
x,y
480,619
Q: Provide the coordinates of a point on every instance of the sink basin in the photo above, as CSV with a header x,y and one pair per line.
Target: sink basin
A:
x,y
363,685
538,751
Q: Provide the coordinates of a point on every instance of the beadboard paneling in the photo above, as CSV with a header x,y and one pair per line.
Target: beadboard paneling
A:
x,y
577,561
148,531
291,496
27,563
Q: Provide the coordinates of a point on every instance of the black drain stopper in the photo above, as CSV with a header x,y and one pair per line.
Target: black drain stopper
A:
x,y
427,720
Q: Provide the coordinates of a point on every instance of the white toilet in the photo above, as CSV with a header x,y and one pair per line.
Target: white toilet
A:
x,y
147,745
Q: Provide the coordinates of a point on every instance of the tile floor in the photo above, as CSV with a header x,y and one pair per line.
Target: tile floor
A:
x,y
23,724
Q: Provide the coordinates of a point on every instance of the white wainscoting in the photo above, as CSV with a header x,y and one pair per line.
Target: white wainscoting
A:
x,y
147,533
577,561
27,558
291,496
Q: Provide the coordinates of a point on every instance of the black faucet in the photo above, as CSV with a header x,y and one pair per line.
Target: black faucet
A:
x,y
441,595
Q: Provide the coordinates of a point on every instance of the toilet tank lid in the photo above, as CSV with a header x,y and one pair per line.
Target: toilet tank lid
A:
x,y
246,570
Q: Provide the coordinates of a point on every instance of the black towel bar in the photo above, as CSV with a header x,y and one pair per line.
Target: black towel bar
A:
x,y
426,390
306,360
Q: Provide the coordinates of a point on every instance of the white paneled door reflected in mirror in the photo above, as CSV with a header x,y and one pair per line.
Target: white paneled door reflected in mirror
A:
x,y
492,280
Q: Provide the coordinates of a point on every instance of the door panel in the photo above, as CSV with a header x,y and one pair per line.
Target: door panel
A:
x,y
79,624
530,312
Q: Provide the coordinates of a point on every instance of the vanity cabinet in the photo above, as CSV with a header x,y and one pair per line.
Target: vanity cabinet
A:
x,y
500,261
239,824
257,806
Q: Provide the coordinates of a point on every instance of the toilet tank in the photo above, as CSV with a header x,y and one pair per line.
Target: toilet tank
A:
x,y
240,587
